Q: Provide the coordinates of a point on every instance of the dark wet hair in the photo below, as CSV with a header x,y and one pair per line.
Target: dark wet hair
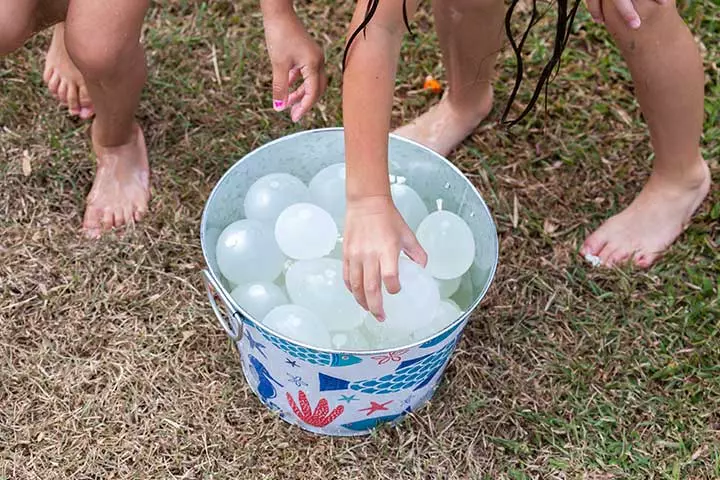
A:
x,y
566,12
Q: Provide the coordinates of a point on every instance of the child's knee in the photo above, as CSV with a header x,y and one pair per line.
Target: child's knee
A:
x,y
13,33
100,58
651,15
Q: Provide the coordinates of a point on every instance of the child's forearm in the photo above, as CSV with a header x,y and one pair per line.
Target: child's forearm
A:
x,y
273,8
367,100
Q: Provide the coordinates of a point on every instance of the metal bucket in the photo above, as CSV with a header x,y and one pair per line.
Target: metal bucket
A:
x,y
333,392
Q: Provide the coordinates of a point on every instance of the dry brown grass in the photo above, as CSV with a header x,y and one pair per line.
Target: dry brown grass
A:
x,y
111,365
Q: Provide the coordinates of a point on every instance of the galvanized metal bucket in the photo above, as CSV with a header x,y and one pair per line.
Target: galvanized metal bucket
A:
x,y
333,392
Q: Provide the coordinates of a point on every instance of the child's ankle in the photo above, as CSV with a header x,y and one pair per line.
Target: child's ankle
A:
x,y
690,176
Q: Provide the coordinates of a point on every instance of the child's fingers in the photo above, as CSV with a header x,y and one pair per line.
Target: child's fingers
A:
x,y
281,75
414,250
357,284
296,96
389,266
373,290
626,9
595,9
313,85
293,76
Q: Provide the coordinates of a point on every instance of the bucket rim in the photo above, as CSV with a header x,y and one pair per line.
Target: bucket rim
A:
x,y
258,324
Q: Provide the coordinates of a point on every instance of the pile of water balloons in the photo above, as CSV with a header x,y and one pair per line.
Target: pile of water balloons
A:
x,y
284,265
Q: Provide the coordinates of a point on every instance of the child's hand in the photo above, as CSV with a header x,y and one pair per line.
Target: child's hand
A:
x,y
625,8
293,54
375,233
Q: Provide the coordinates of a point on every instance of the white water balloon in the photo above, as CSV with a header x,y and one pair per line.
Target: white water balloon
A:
x,y
327,189
258,298
413,307
319,286
409,204
246,251
448,287
305,231
298,323
271,194
449,244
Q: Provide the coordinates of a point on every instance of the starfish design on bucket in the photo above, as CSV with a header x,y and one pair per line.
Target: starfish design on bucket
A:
x,y
375,407
255,345
348,398
390,357
320,417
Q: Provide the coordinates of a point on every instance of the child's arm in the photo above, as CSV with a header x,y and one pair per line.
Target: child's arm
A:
x,y
293,54
624,7
375,233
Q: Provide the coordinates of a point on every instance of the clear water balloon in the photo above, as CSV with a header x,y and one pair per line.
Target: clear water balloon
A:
x,y
380,336
413,307
449,244
271,194
246,251
300,324
305,231
409,204
465,294
448,287
337,252
258,298
319,286
350,341
327,189
445,315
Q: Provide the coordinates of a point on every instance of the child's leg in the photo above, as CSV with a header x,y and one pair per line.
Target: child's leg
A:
x,y
667,72
18,20
471,34
64,79
103,40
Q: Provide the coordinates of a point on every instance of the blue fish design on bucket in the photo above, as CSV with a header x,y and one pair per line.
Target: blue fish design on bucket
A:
x,y
437,340
265,387
311,356
414,373
370,423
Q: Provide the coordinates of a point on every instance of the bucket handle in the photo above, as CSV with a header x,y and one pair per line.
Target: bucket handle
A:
x,y
234,327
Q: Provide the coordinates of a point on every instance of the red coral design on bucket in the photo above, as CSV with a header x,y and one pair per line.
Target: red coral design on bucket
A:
x,y
390,357
321,417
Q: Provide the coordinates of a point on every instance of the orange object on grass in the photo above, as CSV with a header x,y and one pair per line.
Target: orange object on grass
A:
x,y
432,85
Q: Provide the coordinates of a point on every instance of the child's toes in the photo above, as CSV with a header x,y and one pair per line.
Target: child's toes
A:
x,y
644,259
594,244
54,84
48,74
124,216
63,92
139,214
91,222
618,257
73,100
108,219
86,108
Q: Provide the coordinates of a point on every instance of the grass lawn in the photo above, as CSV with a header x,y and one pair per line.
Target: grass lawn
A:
x,y
112,365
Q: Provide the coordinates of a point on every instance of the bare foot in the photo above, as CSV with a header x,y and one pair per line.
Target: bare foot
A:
x,y
63,79
121,190
445,126
643,231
